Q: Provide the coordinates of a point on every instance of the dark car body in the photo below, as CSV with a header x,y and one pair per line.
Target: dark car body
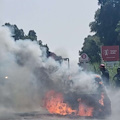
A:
x,y
99,100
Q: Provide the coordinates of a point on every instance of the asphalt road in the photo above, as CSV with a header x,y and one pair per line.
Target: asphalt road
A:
x,y
37,116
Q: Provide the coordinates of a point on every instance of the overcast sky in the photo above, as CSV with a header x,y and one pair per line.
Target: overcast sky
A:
x,y
62,24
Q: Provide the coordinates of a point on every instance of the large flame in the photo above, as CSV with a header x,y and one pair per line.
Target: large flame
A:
x,y
54,102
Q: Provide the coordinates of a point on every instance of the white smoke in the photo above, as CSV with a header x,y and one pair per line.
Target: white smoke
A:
x,y
17,82
61,52
25,76
114,95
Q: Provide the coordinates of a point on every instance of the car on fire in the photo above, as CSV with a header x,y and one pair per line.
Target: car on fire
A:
x,y
98,102
80,104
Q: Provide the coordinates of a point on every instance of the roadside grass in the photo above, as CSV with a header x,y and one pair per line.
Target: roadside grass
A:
x,y
112,70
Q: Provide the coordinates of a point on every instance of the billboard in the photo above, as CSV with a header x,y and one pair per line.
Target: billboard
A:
x,y
110,53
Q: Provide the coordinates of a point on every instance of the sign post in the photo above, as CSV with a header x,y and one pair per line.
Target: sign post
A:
x,y
83,61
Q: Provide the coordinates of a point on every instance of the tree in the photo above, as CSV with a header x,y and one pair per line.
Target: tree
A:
x,y
17,33
106,20
91,48
32,35
103,2
118,31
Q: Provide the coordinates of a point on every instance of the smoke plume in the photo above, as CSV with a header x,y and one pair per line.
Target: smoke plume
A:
x,y
25,77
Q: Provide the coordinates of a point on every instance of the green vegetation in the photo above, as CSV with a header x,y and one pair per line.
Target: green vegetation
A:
x,y
19,33
112,70
106,27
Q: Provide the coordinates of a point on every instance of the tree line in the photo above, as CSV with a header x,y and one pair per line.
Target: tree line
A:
x,y
18,34
106,29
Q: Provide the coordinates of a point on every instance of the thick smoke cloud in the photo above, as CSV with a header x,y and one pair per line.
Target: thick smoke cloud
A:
x,y
25,77
114,95
18,87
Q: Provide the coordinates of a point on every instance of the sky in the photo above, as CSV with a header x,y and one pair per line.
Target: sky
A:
x,y
61,24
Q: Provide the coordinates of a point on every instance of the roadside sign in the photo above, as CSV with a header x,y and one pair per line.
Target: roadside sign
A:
x,y
84,58
110,53
84,61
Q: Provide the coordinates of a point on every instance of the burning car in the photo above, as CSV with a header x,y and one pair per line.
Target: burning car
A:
x,y
79,104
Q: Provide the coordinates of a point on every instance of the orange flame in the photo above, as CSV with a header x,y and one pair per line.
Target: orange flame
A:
x,y
55,104
101,100
85,110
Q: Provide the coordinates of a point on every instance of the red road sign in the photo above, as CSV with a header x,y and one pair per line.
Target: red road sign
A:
x,y
110,53
84,58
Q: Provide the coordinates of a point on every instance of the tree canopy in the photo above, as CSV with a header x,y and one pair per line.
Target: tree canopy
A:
x,y
91,48
18,34
106,27
106,20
